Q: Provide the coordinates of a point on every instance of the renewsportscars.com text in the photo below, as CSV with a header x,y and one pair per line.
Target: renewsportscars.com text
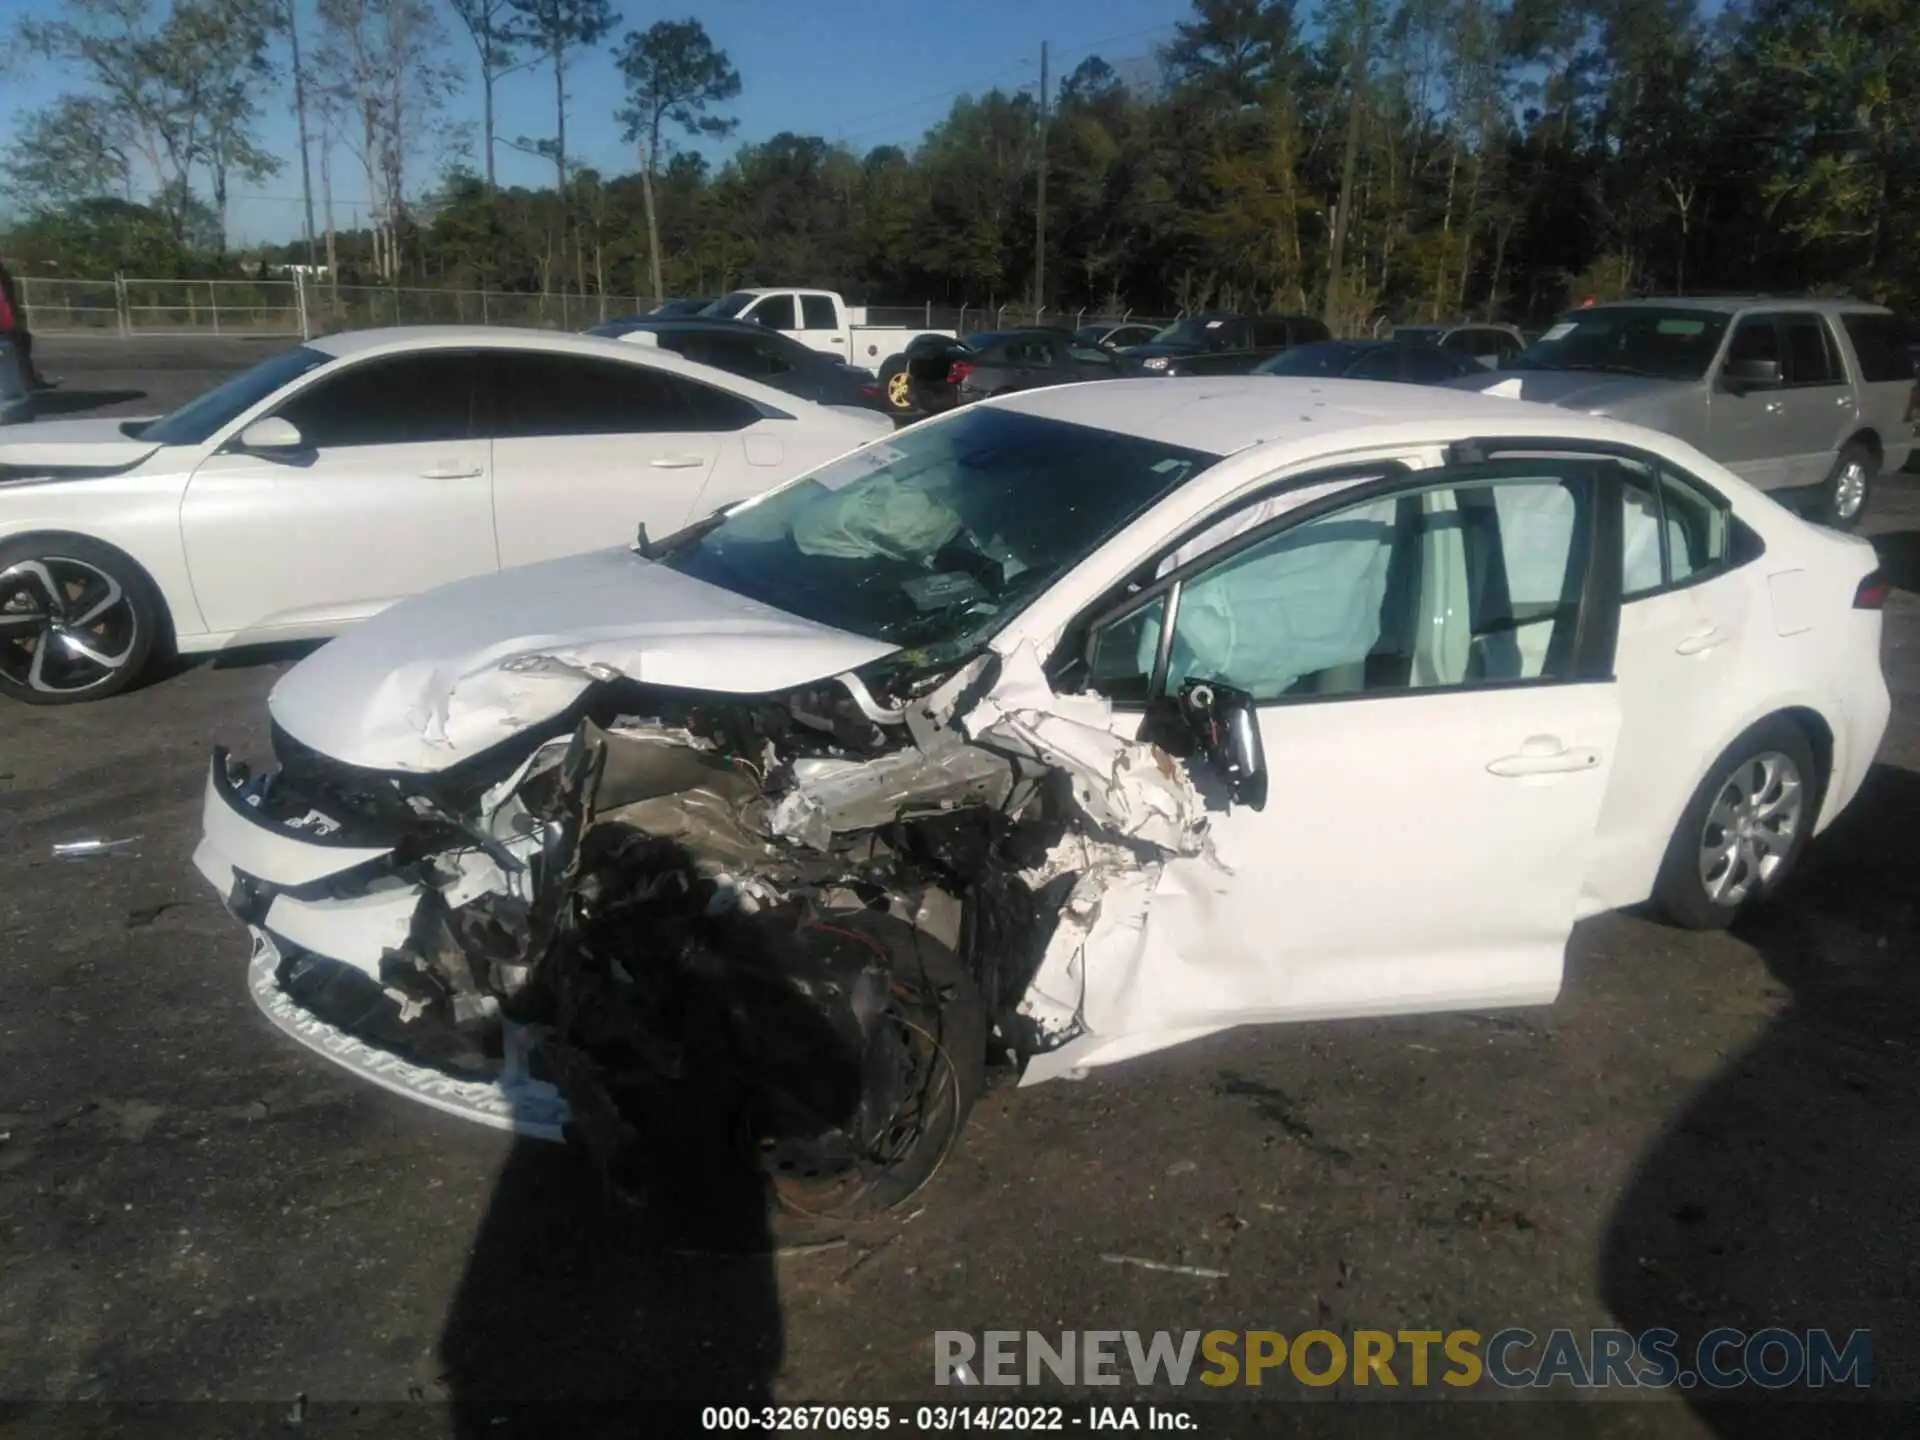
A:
x,y
1725,1358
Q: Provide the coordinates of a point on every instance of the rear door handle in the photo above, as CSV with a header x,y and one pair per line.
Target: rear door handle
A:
x,y
1543,755
677,462
448,472
1701,643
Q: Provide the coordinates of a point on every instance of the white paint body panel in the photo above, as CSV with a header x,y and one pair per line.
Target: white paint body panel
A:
x,y
246,549
1390,870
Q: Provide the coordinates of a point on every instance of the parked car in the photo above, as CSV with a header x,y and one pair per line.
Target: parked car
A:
x,y
821,320
1069,726
742,348
16,391
1808,400
680,309
1492,346
945,373
332,479
1398,360
1118,336
1224,344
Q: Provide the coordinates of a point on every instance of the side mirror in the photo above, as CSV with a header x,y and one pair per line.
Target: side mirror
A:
x,y
1744,375
272,434
1228,731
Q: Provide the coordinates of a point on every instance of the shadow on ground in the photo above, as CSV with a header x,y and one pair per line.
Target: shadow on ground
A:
x,y
1784,1194
1899,553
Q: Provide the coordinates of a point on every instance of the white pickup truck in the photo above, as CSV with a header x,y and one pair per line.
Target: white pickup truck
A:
x,y
821,320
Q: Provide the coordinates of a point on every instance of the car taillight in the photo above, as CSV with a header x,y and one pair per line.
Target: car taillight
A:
x,y
1872,592
872,392
960,370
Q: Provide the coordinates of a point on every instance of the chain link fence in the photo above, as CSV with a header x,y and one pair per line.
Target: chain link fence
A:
x,y
300,308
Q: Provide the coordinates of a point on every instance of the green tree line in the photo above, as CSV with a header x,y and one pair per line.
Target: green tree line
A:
x,y
1359,158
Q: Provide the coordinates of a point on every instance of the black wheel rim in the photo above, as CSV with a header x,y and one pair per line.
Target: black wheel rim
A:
x,y
66,626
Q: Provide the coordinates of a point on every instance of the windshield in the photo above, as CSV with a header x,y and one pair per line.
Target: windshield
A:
x,y
1192,331
731,305
1319,358
1676,344
195,422
936,538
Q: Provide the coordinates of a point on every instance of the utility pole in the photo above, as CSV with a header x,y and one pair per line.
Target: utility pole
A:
x,y
300,110
1040,207
1356,98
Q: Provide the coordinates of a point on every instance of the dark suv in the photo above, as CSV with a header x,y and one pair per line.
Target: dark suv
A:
x,y
1223,344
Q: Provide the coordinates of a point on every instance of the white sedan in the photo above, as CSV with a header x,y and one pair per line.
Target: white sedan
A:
x,y
1062,728
330,480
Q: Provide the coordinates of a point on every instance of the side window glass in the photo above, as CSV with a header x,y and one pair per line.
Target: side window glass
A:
x,y
416,399
706,408
1382,364
1696,526
539,395
1427,367
1478,582
1642,571
1673,533
1809,353
816,311
775,312
1754,338
1459,340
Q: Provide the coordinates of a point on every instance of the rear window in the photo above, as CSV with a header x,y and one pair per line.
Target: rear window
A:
x,y
1881,343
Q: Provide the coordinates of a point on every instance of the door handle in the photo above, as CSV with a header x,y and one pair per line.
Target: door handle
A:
x,y
1845,402
677,462
1699,644
448,472
1543,755
836,340
1774,407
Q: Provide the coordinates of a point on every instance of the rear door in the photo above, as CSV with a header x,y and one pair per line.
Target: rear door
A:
x,y
391,495
1746,429
1887,375
1430,661
587,449
1090,362
1819,408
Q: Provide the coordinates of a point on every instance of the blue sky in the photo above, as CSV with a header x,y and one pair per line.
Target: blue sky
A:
x,y
869,72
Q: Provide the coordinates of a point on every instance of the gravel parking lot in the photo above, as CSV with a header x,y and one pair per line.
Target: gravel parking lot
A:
x,y
1705,1130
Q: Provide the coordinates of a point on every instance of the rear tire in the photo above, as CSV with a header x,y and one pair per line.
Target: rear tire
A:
x,y
1744,830
79,620
1843,499
897,386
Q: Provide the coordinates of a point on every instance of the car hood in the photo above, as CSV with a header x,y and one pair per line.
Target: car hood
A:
x,y
444,676
1573,389
95,443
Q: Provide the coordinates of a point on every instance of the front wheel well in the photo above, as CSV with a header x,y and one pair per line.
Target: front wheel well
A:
x,y
42,539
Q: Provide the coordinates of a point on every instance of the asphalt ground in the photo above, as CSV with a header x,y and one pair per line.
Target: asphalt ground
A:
x,y
1703,1131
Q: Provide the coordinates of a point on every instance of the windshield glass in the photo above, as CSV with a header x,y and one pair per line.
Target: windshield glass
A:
x,y
1319,358
1665,344
195,422
731,305
936,538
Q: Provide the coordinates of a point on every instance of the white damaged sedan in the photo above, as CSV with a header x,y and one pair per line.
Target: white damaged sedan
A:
x,y
1058,730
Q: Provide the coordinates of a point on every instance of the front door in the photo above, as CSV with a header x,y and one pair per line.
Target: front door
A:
x,y
1746,429
1430,668
391,494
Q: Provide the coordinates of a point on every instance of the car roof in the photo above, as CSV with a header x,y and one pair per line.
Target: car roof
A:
x,y
1727,304
1233,412
397,339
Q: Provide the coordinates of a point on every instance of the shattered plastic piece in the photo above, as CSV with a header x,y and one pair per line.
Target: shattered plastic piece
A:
x,y
85,849
1199,1271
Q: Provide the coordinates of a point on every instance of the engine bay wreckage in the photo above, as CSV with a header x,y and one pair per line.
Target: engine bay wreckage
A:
x,y
822,914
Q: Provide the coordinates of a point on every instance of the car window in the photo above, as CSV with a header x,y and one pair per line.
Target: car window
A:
x,y
1459,340
1031,350
1267,333
416,399
1756,337
1673,343
1306,330
195,422
1429,366
1506,346
1381,364
1090,355
1673,532
1132,335
817,313
1880,343
775,312
1474,581
1810,357
1228,335
540,394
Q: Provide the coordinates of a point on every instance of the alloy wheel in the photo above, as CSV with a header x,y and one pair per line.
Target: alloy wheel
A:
x,y
66,626
1751,827
1849,490
899,391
